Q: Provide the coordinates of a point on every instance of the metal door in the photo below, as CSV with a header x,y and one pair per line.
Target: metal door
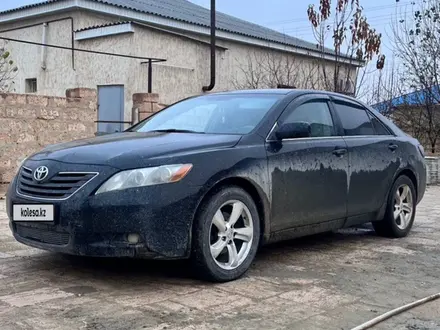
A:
x,y
110,108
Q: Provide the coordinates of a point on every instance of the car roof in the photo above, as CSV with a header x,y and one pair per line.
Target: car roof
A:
x,y
286,91
299,92
257,91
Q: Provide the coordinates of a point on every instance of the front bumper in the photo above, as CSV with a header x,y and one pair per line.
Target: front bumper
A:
x,y
64,242
421,180
98,226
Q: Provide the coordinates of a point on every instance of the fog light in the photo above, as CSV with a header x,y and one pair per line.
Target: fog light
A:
x,y
133,238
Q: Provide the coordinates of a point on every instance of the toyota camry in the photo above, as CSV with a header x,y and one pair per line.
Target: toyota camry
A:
x,y
211,178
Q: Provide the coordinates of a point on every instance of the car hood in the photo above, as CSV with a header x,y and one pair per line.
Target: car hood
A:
x,y
132,149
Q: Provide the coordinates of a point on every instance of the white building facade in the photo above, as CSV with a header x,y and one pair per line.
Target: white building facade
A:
x,y
148,28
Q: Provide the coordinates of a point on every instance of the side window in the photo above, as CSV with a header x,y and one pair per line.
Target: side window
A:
x,y
317,114
355,120
379,127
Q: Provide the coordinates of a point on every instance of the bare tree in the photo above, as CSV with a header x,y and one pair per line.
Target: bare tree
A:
x,y
417,45
407,110
8,70
397,105
251,74
384,86
268,69
354,41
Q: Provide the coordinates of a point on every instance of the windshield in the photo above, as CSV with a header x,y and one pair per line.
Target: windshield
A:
x,y
212,114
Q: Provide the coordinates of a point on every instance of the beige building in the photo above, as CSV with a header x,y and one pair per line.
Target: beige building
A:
x,y
174,30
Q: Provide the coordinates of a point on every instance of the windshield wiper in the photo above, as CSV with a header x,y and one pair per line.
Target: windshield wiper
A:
x,y
175,130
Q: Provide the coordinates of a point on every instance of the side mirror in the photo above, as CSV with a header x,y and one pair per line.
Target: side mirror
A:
x,y
294,130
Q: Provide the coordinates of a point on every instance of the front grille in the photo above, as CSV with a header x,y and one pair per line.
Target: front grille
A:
x,y
61,186
42,236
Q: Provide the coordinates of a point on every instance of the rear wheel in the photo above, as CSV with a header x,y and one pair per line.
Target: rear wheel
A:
x,y
226,235
401,210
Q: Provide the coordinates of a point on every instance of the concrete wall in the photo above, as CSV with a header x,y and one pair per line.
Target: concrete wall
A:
x,y
433,170
30,122
183,75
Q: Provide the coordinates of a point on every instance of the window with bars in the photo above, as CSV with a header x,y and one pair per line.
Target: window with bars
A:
x,y
31,85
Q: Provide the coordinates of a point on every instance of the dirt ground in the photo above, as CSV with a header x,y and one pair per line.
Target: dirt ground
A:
x,y
332,281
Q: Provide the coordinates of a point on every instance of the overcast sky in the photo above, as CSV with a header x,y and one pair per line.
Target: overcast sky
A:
x,y
288,16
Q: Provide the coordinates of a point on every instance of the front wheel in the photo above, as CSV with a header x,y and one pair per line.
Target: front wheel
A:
x,y
226,235
401,210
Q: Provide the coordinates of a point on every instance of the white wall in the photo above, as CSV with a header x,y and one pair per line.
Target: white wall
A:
x,y
187,68
433,170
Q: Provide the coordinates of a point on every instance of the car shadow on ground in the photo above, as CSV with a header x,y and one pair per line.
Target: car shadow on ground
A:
x,y
323,239
124,268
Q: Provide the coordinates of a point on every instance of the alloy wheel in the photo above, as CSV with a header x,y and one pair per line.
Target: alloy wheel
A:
x,y
403,206
231,234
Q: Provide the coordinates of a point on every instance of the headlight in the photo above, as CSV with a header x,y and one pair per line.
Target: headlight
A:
x,y
145,177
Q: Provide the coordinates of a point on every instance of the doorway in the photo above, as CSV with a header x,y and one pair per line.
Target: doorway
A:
x,y
110,108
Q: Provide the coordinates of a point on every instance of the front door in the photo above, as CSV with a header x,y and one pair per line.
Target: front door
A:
x,y
110,108
309,175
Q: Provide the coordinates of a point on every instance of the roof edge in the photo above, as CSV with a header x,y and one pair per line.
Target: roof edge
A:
x,y
129,25
40,9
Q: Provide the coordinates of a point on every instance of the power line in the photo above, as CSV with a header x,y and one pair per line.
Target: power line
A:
x,y
153,60
369,19
307,32
300,20
376,20
376,8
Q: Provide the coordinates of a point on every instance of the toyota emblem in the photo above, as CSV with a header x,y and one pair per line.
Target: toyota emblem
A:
x,y
41,173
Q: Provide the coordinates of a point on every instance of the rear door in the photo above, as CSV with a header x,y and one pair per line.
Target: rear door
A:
x,y
309,175
373,157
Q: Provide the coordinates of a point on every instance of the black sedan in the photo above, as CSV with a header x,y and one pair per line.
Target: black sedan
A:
x,y
212,178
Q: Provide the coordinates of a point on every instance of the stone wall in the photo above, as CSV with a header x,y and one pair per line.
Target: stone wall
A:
x,y
30,122
144,105
433,170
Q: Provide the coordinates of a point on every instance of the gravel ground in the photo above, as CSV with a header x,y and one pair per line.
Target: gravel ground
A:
x,y
332,281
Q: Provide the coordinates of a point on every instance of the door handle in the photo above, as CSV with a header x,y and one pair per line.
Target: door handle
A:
x,y
393,147
339,152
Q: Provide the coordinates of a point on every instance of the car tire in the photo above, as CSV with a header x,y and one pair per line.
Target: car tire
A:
x,y
227,224
400,210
